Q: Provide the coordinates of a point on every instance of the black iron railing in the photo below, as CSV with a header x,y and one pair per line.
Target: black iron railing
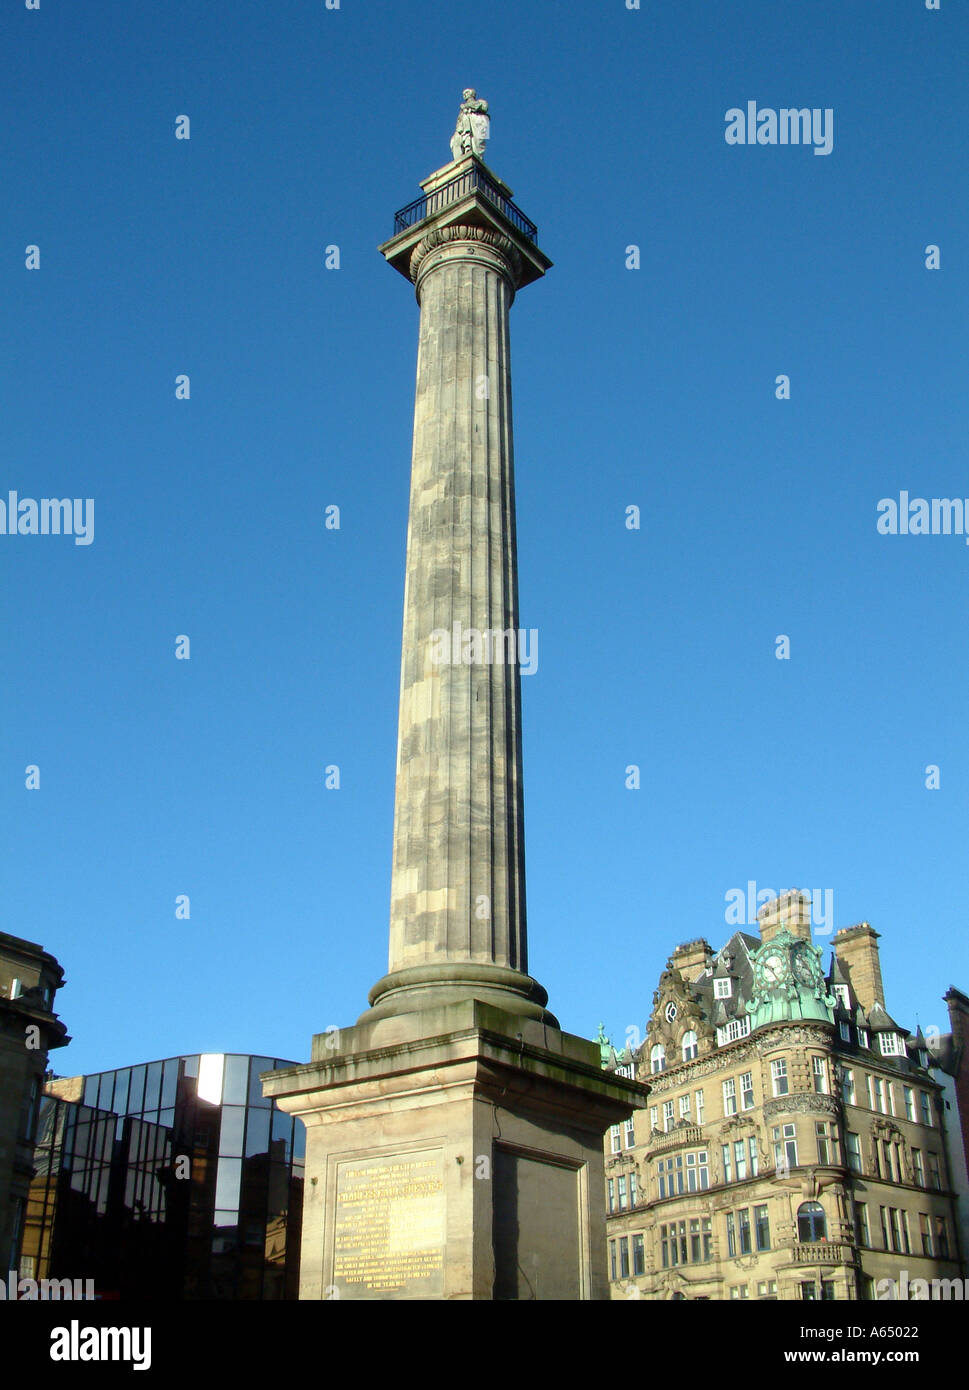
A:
x,y
474,178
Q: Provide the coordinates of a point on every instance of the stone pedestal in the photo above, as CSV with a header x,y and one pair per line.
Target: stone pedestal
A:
x,y
454,1153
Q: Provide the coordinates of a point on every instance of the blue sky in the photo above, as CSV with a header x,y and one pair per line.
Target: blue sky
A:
x,y
653,387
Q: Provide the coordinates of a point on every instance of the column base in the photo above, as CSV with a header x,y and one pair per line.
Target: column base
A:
x,y
434,986
454,1154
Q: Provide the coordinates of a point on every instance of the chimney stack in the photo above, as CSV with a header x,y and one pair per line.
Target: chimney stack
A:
x,y
857,950
692,958
791,910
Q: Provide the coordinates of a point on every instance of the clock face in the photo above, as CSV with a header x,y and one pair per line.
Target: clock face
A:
x,y
670,1012
773,968
804,970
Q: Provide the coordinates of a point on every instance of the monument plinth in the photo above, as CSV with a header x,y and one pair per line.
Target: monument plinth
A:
x,y
454,1135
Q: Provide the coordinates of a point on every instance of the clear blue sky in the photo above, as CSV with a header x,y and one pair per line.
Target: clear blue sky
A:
x,y
655,387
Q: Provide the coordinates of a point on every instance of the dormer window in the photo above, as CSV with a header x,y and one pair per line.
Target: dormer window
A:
x,y
890,1045
863,1037
722,989
842,992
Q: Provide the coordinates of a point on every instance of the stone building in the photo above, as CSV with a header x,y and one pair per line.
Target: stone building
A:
x,y
29,1029
793,1146
949,1058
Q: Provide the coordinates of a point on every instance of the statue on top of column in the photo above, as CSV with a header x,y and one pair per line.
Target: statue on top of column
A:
x,y
471,132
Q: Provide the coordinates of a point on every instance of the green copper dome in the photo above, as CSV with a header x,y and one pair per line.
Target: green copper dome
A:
x,y
788,982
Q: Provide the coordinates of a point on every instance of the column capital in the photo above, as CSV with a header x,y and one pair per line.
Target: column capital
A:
x,y
460,242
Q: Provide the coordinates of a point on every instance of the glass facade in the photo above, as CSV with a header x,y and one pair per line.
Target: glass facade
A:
x,y
175,1179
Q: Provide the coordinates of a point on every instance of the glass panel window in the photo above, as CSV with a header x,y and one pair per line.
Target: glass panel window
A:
x,y
926,1108
685,1106
917,1170
615,1138
612,1258
689,1046
706,1230
654,1117
785,1147
227,1183
639,1256
611,1190
895,1229
934,1177
623,1257
762,1227
657,1058
153,1086
698,1106
730,1097
257,1133
630,1133
105,1090
752,1147
845,1031
731,1236
743,1230
861,1223
811,1224
820,1073
230,1137
841,991
169,1085
667,1116
747,1091
925,1230
909,1098
853,1145
848,1086
821,1136
256,1065
727,1166
778,1076
942,1237
862,1037
136,1091
740,1159
236,1085
722,989
621,1193
632,1189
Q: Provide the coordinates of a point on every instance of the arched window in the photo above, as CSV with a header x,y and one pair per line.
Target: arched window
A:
x,y
657,1058
810,1222
689,1045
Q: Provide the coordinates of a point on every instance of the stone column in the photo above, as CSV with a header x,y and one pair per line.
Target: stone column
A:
x,y
457,915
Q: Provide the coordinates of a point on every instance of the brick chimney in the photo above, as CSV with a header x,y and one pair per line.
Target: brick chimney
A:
x,y
791,910
857,950
692,958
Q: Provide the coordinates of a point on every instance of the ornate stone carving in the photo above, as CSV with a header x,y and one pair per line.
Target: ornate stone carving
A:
x,y
807,1103
500,248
